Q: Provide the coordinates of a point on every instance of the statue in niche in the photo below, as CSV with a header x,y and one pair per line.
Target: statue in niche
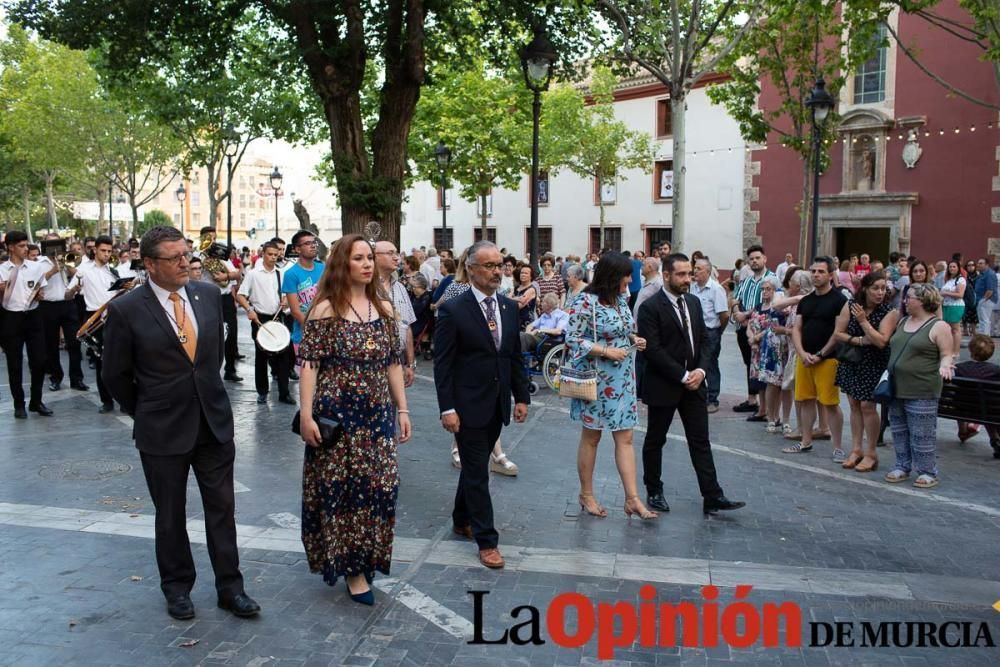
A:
x,y
911,150
864,164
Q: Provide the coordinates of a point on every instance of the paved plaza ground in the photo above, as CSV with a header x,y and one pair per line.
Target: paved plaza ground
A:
x,y
78,581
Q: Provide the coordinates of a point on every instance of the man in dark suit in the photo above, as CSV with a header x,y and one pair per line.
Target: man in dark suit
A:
x,y
674,329
477,366
162,352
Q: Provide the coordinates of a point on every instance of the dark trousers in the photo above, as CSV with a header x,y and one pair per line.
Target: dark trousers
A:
x,y
61,316
753,386
106,397
81,314
24,330
694,416
473,505
291,360
166,477
262,360
711,346
229,318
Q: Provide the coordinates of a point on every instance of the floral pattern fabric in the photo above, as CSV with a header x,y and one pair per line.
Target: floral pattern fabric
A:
x,y
769,357
615,408
349,490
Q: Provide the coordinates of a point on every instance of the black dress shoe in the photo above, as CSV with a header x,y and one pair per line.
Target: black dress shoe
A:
x,y
241,356
757,418
657,502
287,400
292,375
745,406
42,409
20,412
55,385
232,377
261,399
106,408
79,386
180,607
721,504
241,605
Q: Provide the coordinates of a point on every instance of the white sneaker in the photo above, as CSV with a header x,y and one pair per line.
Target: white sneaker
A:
x,y
502,465
786,429
773,427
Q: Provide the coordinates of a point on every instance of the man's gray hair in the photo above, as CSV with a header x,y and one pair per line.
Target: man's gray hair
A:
x,y
419,280
551,299
575,271
707,263
151,240
432,252
476,247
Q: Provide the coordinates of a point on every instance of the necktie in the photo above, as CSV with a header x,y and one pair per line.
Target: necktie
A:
x,y
185,330
9,291
684,325
491,320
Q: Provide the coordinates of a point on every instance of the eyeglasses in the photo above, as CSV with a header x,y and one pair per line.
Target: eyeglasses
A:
x,y
490,266
174,260
386,252
313,242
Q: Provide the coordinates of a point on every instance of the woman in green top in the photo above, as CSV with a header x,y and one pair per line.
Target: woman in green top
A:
x,y
920,360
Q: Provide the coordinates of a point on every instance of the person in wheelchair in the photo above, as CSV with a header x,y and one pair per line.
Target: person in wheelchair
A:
x,y
550,327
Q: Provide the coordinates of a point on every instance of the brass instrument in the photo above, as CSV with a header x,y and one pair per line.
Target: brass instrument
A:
x,y
70,260
87,333
212,256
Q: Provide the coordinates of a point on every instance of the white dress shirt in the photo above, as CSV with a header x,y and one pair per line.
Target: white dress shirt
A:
x,y
713,301
96,281
262,288
163,296
17,298
687,317
55,288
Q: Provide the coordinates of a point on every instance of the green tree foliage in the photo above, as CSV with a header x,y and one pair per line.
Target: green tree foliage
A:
x,y
151,219
485,121
586,138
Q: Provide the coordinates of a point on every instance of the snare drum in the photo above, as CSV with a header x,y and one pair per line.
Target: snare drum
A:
x,y
273,336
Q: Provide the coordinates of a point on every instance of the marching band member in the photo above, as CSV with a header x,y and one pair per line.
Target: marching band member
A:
x,y
58,313
260,295
94,281
21,283
225,281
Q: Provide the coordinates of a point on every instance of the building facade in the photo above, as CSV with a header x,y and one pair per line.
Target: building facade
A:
x,y
637,205
915,168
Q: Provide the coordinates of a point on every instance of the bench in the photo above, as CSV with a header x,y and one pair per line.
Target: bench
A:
x,y
971,400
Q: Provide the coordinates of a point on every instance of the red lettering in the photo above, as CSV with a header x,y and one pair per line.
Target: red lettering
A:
x,y
710,617
555,620
607,640
751,621
793,624
647,617
688,613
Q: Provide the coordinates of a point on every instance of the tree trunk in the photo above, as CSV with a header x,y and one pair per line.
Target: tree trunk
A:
x,y
27,212
805,209
677,106
600,205
213,174
483,215
50,203
133,233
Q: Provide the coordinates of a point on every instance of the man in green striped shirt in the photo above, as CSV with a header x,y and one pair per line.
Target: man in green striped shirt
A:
x,y
746,297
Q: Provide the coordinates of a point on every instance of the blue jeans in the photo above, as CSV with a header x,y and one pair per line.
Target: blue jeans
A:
x,y
711,346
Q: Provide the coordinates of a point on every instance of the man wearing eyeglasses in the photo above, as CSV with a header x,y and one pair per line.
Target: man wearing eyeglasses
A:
x,y
163,346
301,281
387,263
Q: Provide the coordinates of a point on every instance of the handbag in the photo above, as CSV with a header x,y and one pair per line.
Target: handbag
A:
x,y
581,384
330,430
885,390
849,354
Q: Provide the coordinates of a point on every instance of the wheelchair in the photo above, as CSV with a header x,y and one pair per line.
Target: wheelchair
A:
x,y
544,360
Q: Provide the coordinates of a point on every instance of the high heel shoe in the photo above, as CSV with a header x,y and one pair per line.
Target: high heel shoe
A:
x,y
866,467
643,513
368,597
586,498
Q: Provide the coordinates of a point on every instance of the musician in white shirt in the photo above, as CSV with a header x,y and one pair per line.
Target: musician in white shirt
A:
x,y
21,282
58,313
226,281
260,295
95,281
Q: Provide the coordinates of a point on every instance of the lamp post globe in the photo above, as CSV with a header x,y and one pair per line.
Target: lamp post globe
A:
x,y
821,103
537,60
231,143
181,195
276,179
442,155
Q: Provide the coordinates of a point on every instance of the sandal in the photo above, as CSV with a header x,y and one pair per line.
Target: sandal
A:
x,y
853,460
821,435
925,481
786,429
773,427
866,465
797,448
502,465
792,435
586,500
896,475
631,508
456,460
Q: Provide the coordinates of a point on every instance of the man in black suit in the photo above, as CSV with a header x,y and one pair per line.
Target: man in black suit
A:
x,y
162,352
477,366
674,328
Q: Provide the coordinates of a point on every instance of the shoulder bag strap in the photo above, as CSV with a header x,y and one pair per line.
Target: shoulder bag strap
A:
x,y
912,336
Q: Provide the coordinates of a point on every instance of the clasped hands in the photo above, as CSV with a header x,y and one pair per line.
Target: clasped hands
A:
x,y
453,424
694,379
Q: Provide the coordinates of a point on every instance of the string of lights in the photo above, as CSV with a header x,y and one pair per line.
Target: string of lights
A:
x,y
900,135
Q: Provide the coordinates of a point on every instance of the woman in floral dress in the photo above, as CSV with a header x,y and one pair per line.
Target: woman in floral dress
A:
x,y
767,333
599,337
351,374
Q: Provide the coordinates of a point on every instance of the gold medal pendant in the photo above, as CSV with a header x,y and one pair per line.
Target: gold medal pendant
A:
x,y
181,337
492,325
370,344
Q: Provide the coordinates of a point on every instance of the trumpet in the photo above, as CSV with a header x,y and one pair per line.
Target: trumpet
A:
x,y
70,260
87,333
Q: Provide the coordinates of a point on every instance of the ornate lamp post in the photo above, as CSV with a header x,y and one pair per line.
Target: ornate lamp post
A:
x,y
231,139
276,179
537,59
442,154
821,103
181,195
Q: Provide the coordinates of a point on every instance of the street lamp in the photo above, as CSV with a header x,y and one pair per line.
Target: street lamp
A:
x,y
276,186
442,154
231,141
821,103
537,59
181,195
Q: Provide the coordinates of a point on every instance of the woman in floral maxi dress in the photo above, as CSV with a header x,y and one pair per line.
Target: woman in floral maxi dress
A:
x,y
604,305
352,375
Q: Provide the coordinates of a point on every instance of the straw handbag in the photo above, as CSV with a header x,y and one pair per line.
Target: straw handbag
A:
x,y
579,384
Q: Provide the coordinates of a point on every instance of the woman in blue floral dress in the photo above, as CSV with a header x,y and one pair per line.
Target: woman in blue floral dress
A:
x,y
767,333
351,373
600,337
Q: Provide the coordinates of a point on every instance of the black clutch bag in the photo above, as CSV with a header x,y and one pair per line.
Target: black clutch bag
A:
x,y
330,430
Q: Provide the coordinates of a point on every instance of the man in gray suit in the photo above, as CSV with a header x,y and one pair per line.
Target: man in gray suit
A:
x,y
163,346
